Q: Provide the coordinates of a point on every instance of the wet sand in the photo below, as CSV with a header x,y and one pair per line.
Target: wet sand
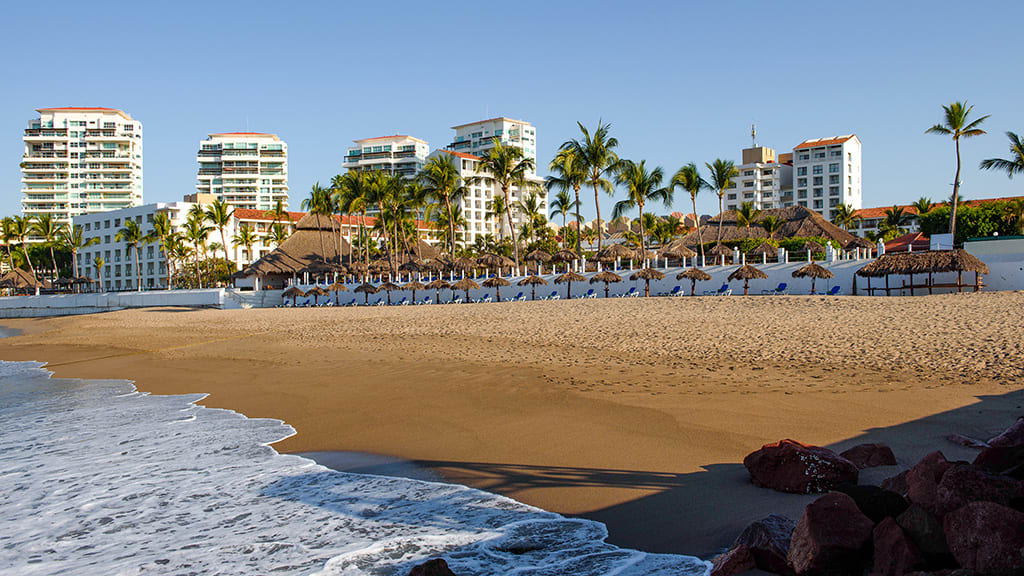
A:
x,y
637,413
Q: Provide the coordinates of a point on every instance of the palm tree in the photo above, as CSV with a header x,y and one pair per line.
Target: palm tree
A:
x,y
958,125
196,232
8,235
163,234
562,205
923,205
506,166
440,178
47,228
319,204
747,215
771,225
132,235
73,240
1015,214
1015,165
894,221
22,227
529,206
688,178
278,213
178,251
278,234
245,237
596,154
98,263
722,173
845,216
567,172
641,185
219,214
353,197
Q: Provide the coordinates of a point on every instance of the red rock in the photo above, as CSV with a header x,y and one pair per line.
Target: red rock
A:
x,y
923,479
434,567
830,537
875,502
895,553
789,466
965,483
768,542
735,561
926,532
1012,436
897,483
986,537
870,455
1007,460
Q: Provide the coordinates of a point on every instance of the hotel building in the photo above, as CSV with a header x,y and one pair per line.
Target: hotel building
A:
x,y
247,170
763,179
80,161
477,138
398,154
826,174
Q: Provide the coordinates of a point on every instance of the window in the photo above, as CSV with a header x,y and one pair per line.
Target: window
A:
x,y
748,195
833,168
817,192
801,182
817,204
819,154
748,172
834,179
833,190
804,204
801,171
748,184
833,202
836,153
817,169
767,171
731,196
801,194
805,156
817,181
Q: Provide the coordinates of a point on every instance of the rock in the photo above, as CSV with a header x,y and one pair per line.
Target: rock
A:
x,y
830,537
789,466
768,542
925,530
986,537
735,561
897,483
965,483
1012,436
923,479
965,441
870,455
895,553
434,567
875,502
1007,460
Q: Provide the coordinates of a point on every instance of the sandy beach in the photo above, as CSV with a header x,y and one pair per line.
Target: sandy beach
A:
x,y
636,412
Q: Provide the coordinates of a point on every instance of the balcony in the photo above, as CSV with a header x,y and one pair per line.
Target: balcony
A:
x,y
274,153
35,156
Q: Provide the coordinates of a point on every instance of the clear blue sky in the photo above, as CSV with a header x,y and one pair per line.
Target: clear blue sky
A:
x,y
679,81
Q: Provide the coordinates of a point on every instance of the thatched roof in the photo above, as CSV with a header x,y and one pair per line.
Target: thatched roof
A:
x,y
613,252
316,291
439,284
20,280
765,248
676,250
648,274
605,276
532,280
747,272
465,284
293,292
906,263
538,256
495,261
565,256
570,277
721,250
463,263
812,247
643,254
337,287
302,249
859,242
419,250
366,287
797,221
414,285
389,286
496,281
694,274
413,266
812,270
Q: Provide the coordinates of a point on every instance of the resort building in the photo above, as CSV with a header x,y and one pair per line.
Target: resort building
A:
x,y
247,170
398,154
827,173
869,220
763,179
81,160
478,137
476,204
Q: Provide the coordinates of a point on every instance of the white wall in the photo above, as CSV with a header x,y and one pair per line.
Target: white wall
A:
x,y
69,304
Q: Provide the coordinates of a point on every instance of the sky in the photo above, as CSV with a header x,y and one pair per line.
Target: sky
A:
x,y
678,81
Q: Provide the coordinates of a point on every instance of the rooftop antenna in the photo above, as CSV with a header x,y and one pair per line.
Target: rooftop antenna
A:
x,y
753,136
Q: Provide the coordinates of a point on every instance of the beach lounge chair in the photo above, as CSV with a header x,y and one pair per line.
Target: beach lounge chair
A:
x,y
380,302
723,291
456,300
486,298
515,298
675,291
782,288
590,294
834,291
553,296
631,293
426,300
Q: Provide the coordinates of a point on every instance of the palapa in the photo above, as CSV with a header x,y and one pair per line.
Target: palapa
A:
x,y
388,287
462,263
316,292
694,275
495,261
19,279
797,222
496,282
648,274
366,288
606,276
613,252
294,292
533,281
337,288
928,262
568,278
466,285
858,242
765,248
642,254
677,251
538,256
413,287
721,250
564,255
412,266
812,247
745,273
314,240
439,285
812,271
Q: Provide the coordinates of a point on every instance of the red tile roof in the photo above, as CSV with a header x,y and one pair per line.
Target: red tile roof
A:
x,y
915,240
879,212
460,154
249,214
823,142
346,219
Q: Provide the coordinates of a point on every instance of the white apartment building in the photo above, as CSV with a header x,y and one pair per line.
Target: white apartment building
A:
x,y
827,173
398,154
247,170
763,179
478,137
477,202
81,160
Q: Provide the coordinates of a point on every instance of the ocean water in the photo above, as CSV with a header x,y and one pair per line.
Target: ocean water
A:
x,y
97,478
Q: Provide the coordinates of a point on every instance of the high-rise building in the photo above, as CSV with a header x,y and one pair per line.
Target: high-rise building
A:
x,y
398,154
245,169
81,160
827,174
478,137
763,179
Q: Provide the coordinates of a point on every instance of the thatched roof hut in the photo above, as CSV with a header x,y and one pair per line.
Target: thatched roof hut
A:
x,y
439,284
538,255
302,249
677,251
858,242
465,285
648,274
533,281
606,276
693,275
812,247
463,263
721,251
766,249
613,252
564,255
797,221
18,279
746,273
495,261
932,261
812,271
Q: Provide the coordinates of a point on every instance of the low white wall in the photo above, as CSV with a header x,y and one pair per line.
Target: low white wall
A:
x,y
70,304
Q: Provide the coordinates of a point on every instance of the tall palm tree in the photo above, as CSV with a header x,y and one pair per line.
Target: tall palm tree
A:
x,y
319,204
353,197
923,205
958,125
894,221
721,174
245,237
196,231
1015,164
505,167
567,172
23,227
771,225
642,185
596,153
845,216
73,240
278,213
49,229
163,234
747,215
440,178
278,234
1015,214
132,235
9,237
529,206
219,214
98,263
178,252
688,178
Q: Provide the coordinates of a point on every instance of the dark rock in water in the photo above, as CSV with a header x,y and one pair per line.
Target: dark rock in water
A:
x,y
875,502
789,466
870,455
925,530
434,567
895,553
965,483
1012,436
736,561
923,479
986,537
768,542
830,537
1007,460
897,483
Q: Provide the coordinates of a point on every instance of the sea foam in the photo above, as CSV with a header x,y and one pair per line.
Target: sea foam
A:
x,y
97,478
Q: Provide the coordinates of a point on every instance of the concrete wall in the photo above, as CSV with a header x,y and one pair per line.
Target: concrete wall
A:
x,y
70,304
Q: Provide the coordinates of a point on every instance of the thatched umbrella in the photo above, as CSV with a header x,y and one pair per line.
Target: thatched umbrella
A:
x,y
538,255
316,292
465,285
613,252
812,271
294,292
533,281
412,266
414,286
721,250
564,255
388,287
495,261
367,289
745,273
812,247
358,269
858,242
497,282
463,263
640,254
606,276
337,288
569,278
648,274
694,274
439,285
676,252
766,249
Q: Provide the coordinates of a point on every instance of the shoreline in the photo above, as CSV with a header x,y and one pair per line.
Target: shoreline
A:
x,y
649,445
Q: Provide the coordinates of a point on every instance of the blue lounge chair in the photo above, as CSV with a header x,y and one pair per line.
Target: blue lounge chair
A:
x,y
782,288
404,302
515,298
632,292
834,291
590,294
723,291
486,298
553,296
675,291
426,300
380,302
